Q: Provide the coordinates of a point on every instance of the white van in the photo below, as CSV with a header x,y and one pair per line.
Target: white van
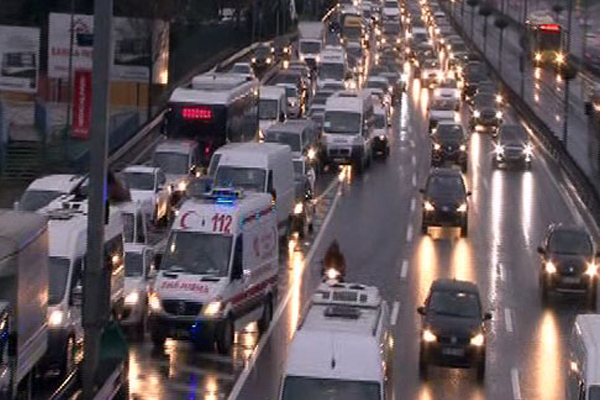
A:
x,y
219,270
333,67
343,346
45,189
272,107
67,231
259,167
583,366
348,129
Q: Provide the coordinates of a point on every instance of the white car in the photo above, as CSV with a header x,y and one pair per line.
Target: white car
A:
x,y
43,190
443,110
448,89
148,187
139,271
243,68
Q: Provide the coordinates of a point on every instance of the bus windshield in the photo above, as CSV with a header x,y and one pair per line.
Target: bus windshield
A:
x,y
240,177
198,253
548,40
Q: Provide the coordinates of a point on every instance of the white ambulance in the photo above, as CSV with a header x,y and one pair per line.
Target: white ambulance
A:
x,y
219,270
343,347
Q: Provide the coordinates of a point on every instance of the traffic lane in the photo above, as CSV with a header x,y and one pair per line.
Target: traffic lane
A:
x,y
509,214
178,369
544,92
357,215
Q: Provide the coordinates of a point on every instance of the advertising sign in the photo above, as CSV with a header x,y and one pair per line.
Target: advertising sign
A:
x,y
137,42
19,58
82,103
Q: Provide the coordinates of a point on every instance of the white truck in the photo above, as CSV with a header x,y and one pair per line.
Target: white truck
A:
x,y
311,42
219,270
23,300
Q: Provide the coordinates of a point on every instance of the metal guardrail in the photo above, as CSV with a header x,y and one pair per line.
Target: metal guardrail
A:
x,y
582,184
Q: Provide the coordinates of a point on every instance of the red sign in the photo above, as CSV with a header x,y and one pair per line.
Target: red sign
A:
x,y
201,113
82,103
550,27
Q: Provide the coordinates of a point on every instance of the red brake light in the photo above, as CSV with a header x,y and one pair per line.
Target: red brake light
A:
x,y
550,27
201,113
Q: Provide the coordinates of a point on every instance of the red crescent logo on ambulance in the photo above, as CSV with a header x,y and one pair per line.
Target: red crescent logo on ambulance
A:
x,y
184,217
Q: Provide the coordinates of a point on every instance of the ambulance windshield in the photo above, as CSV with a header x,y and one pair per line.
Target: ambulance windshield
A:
x,y
197,253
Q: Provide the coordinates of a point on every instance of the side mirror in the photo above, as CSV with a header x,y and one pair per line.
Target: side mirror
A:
x,y
16,205
282,117
541,250
421,310
77,296
487,316
237,271
469,193
421,190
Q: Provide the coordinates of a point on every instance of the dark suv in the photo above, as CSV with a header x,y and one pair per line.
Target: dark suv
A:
x,y
453,332
262,57
568,263
445,201
512,147
449,145
487,114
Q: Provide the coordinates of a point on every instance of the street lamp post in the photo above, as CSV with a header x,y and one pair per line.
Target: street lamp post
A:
x,y
96,278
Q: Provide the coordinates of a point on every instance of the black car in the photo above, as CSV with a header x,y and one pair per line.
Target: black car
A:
x,y
445,201
282,48
450,144
262,57
568,263
473,73
487,114
512,147
453,332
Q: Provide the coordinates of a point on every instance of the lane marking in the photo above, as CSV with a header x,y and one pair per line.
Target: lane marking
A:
x,y
412,143
414,161
404,270
508,320
394,315
516,387
500,271
413,204
409,233
486,184
414,180
243,377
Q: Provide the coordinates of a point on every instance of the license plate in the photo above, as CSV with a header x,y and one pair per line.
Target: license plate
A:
x,y
570,280
445,208
450,351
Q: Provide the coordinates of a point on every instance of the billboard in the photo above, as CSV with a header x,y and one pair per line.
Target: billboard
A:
x,y
19,58
136,42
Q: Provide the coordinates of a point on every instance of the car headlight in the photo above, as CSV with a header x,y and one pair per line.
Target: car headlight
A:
x,y
56,318
302,57
429,336
462,208
499,114
428,206
213,308
499,98
298,208
154,302
132,298
528,149
476,114
317,59
182,186
463,147
478,340
312,154
332,274
253,59
560,58
382,137
499,149
437,146
269,60
286,50
592,269
550,267
398,41
538,57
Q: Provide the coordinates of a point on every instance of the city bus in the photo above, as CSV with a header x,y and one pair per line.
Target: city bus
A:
x,y
542,39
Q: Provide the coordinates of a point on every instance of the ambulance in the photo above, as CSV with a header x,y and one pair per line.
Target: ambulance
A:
x,y
343,347
219,270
